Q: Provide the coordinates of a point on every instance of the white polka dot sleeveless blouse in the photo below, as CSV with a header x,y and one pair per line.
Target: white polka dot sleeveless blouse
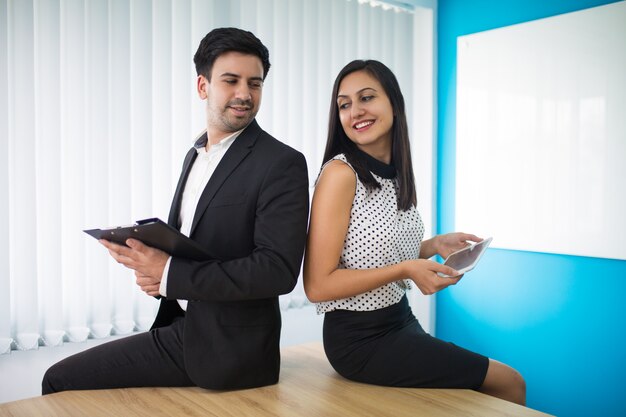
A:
x,y
378,235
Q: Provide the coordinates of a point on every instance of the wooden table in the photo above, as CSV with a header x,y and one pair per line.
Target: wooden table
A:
x,y
308,387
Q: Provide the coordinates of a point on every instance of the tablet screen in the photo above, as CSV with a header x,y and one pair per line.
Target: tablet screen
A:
x,y
465,259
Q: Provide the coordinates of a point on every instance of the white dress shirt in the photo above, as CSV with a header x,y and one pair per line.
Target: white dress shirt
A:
x,y
199,176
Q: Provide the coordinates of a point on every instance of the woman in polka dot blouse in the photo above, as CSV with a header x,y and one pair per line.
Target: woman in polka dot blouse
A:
x,y
365,250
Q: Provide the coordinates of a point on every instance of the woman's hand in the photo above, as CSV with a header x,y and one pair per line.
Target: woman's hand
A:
x,y
424,274
452,242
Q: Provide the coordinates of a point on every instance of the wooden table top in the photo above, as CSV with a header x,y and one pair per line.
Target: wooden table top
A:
x,y
308,387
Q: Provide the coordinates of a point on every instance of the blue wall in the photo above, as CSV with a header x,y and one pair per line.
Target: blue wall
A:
x,y
558,319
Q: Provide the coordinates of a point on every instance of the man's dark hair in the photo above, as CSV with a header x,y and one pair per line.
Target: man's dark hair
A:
x,y
222,40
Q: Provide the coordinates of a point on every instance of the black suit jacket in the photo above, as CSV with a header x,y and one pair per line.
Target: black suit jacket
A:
x,y
252,219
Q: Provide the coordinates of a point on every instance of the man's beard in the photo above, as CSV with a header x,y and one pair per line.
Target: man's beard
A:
x,y
234,123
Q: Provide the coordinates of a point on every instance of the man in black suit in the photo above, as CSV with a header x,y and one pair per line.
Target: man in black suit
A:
x,y
243,196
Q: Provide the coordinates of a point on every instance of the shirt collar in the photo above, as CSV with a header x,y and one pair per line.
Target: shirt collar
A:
x,y
383,170
201,141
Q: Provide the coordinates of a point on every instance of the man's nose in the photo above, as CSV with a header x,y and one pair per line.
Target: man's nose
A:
x,y
243,92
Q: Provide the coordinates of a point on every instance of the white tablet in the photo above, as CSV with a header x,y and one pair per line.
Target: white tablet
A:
x,y
464,260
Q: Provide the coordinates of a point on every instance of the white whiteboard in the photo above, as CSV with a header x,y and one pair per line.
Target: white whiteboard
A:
x,y
541,134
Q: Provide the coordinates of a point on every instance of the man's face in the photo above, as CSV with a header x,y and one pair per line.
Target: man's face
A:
x,y
234,93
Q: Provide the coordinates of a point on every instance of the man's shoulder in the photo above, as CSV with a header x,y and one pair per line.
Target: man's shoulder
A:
x,y
277,146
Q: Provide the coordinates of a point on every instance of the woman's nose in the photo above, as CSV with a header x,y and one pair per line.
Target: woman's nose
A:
x,y
357,111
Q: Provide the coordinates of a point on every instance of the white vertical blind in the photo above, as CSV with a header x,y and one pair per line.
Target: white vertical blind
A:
x,y
97,179
141,47
5,287
48,145
97,109
22,201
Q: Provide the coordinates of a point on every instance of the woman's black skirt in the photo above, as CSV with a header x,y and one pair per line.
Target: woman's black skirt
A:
x,y
389,347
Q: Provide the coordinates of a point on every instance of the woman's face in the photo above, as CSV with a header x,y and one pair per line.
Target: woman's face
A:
x,y
365,112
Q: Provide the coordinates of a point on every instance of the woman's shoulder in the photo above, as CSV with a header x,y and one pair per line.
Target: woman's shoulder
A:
x,y
338,160
337,171
337,167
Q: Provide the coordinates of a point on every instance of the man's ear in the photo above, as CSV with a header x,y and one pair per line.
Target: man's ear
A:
x,y
202,86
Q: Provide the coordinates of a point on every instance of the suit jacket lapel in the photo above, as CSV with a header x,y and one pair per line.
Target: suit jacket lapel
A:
x,y
172,220
240,148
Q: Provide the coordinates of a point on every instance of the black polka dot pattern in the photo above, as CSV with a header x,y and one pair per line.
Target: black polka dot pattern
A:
x,y
378,235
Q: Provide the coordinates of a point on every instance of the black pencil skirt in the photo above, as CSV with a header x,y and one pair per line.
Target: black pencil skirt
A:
x,y
389,347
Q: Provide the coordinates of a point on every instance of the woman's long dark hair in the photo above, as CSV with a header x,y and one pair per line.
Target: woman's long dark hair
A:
x,y
338,142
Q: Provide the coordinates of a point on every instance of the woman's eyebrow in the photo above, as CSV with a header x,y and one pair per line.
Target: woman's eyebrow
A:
x,y
358,92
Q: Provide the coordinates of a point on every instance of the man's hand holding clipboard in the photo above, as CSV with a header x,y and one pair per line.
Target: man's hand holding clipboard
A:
x,y
145,247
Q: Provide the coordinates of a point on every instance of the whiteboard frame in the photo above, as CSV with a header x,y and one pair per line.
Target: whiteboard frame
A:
x,y
541,134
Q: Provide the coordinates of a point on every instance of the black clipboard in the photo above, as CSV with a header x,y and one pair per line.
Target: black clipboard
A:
x,y
156,233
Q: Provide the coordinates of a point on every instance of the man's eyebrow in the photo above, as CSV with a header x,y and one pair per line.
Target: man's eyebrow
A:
x,y
230,74
358,92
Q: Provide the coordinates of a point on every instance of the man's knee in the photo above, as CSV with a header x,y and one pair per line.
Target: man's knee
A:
x,y
55,379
